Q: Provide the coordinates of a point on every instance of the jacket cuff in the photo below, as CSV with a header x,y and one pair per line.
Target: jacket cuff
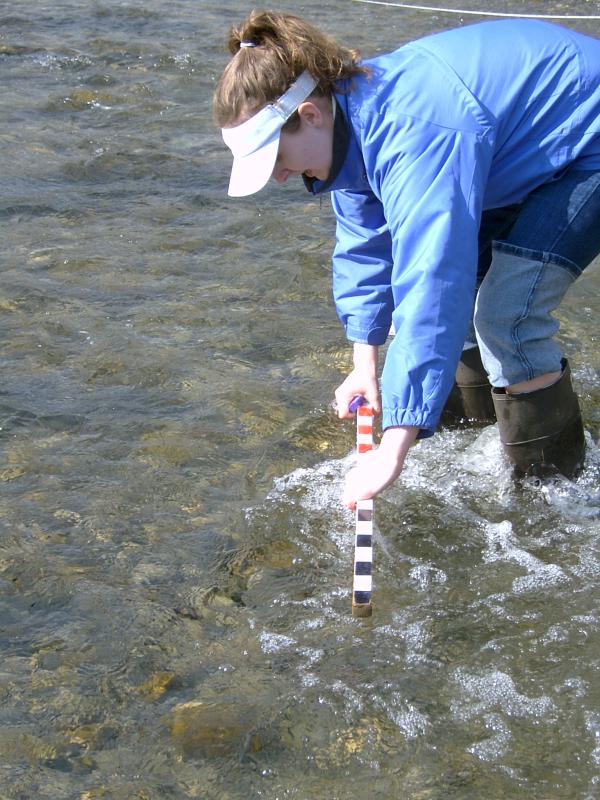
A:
x,y
394,418
375,335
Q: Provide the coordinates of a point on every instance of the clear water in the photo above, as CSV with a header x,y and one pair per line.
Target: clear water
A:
x,y
175,565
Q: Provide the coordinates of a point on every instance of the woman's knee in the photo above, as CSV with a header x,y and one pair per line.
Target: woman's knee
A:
x,y
513,313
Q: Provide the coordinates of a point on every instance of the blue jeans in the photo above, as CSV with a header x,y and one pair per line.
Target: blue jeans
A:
x,y
529,255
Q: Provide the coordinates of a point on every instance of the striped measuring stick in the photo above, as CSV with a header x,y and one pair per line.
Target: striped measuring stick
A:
x,y
363,540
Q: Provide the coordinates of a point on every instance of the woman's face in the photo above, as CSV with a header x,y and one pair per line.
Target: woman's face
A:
x,y
309,150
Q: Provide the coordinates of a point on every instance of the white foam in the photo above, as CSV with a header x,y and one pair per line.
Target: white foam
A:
x,y
458,465
405,716
312,655
321,485
274,642
353,698
426,575
496,690
498,744
309,680
592,723
502,545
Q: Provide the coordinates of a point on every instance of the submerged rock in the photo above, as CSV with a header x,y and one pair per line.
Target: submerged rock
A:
x,y
214,729
156,686
11,473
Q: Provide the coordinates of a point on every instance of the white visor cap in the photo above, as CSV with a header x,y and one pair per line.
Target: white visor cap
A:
x,y
255,143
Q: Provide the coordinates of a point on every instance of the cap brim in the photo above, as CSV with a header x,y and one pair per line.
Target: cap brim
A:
x,y
251,172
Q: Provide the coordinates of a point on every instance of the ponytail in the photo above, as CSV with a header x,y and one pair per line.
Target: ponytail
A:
x,y
269,51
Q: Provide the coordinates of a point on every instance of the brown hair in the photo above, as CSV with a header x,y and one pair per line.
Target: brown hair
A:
x,y
285,46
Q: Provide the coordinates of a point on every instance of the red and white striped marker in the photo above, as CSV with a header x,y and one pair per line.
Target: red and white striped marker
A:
x,y
363,541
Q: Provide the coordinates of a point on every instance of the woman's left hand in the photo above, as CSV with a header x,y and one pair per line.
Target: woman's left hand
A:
x,y
378,468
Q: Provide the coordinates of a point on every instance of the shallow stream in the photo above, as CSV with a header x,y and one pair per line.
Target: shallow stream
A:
x,y
175,565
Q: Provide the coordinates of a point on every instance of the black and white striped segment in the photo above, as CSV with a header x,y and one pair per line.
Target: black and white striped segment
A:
x,y
363,542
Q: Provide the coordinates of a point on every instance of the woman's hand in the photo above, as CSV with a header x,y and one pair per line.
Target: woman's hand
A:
x,y
361,381
378,468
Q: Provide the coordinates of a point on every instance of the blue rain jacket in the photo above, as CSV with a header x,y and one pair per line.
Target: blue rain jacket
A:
x,y
447,126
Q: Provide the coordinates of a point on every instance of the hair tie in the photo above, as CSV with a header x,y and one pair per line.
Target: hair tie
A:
x,y
247,44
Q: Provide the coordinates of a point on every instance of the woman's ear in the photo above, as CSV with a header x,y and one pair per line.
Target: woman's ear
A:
x,y
311,114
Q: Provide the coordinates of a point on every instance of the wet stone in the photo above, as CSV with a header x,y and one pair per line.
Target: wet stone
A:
x,y
81,99
8,305
16,50
217,604
156,686
92,736
214,729
11,473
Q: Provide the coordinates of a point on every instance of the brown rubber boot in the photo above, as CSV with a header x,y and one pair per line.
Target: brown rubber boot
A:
x,y
471,395
542,431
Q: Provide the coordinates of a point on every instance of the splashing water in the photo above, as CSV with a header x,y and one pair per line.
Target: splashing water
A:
x,y
482,588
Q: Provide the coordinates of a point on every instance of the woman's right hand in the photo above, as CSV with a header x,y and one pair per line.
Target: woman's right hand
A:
x,y
361,381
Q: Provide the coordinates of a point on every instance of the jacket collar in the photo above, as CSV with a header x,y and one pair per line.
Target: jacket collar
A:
x,y
347,166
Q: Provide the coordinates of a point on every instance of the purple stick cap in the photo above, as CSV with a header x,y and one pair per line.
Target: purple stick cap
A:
x,y
357,401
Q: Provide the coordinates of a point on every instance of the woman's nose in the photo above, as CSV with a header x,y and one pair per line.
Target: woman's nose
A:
x,y
279,174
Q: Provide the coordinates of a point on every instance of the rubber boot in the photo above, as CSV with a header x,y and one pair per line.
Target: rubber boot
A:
x,y
542,431
471,395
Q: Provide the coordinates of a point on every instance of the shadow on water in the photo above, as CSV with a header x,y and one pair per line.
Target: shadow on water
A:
x,y
175,565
